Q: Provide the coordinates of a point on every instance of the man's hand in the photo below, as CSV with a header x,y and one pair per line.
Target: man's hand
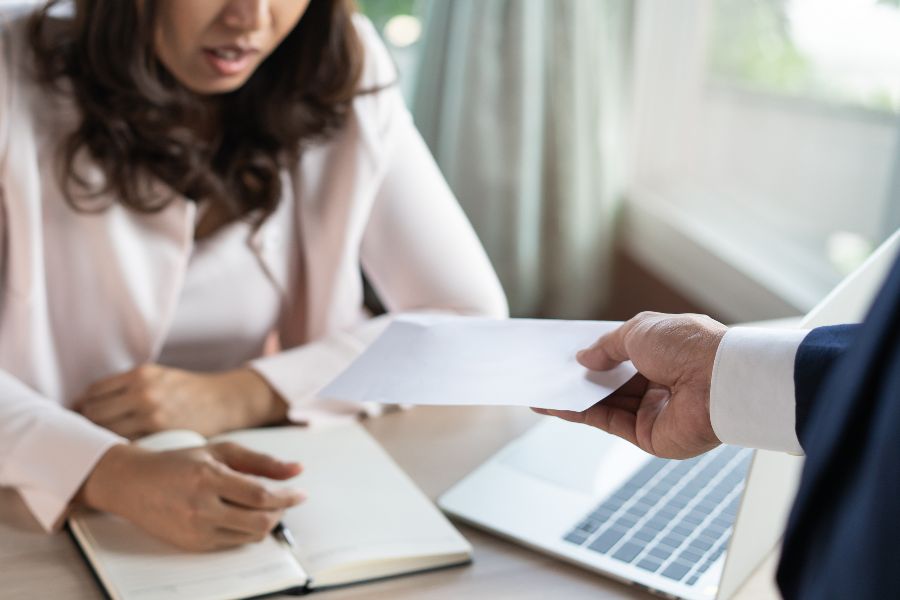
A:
x,y
664,409
154,398
198,498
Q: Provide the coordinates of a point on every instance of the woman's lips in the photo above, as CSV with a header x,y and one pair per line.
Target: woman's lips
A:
x,y
229,60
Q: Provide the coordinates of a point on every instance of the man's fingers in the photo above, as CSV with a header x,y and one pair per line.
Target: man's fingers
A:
x,y
565,415
627,402
627,397
611,419
254,463
617,421
636,386
248,492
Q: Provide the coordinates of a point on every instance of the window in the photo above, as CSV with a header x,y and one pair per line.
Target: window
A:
x,y
767,138
837,51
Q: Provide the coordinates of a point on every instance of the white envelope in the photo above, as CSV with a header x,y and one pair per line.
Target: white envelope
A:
x,y
447,360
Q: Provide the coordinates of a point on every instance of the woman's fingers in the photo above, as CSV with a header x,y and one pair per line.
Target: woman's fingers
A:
x,y
223,538
254,522
255,463
108,409
249,492
110,386
131,426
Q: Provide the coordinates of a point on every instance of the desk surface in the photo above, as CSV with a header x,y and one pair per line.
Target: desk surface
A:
x,y
436,447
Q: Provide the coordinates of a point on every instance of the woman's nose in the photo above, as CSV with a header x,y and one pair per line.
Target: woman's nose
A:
x,y
247,15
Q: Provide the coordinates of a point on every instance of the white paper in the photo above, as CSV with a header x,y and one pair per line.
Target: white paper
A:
x,y
443,360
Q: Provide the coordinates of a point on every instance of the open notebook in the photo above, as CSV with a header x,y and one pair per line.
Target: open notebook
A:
x,y
364,519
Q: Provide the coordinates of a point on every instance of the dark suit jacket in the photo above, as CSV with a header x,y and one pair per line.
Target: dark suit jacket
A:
x,y
843,535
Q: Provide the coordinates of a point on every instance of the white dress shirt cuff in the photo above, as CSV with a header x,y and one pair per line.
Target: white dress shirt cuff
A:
x,y
752,400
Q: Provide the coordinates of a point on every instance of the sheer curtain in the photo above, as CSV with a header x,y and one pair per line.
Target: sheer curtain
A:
x,y
523,105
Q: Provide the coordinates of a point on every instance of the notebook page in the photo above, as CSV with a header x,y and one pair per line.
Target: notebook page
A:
x,y
134,565
361,508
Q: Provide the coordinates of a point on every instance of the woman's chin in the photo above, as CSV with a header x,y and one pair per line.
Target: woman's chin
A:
x,y
217,85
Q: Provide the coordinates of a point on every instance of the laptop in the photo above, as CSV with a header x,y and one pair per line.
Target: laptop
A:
x,y
693,529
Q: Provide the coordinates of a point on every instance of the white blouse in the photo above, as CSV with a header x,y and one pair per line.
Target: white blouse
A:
x,y
206,335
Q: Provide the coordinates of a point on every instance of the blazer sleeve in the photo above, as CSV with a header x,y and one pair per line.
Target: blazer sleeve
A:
x,y
418,250
816,357
46,451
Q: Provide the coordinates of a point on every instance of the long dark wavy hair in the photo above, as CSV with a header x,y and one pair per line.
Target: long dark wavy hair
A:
x,y
136,118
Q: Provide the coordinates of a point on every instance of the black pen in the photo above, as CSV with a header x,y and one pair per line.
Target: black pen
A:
x,y
284,534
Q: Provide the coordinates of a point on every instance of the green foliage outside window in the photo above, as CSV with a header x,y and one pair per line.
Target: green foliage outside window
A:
x,y
752,46
380,11
752,43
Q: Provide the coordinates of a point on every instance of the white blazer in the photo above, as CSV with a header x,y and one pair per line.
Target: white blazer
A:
x,y
85,296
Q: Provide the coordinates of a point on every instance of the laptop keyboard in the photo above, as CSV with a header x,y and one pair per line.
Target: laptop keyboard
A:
x,y
672,517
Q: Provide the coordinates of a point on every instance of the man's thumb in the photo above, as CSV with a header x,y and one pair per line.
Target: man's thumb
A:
x,y
606,352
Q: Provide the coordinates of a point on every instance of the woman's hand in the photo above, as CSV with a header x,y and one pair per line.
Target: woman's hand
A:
x,y
199,498
154,398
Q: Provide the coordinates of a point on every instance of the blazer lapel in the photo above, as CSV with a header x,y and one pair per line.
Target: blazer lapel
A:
x,y
272,244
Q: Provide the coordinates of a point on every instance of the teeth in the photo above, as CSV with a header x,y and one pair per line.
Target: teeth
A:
x,y
227,54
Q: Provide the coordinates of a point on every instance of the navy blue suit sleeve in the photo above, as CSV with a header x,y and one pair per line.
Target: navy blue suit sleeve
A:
x,y
815,358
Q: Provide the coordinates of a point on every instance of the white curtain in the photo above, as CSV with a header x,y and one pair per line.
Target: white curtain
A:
x,y
523,105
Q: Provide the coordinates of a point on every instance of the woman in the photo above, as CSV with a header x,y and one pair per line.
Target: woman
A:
x,y
180,180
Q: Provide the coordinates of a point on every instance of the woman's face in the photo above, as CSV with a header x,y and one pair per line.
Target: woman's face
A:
x,y
214,46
